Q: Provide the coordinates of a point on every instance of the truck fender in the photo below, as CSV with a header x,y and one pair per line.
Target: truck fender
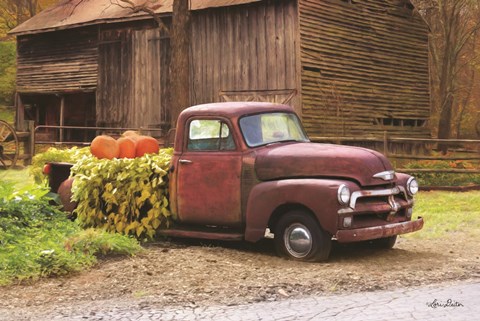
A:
x,y
317,195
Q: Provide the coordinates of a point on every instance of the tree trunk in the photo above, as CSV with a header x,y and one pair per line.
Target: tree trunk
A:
x,y
445,123
180,60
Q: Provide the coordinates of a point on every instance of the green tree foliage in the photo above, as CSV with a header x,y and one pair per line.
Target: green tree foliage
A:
x,y
7,72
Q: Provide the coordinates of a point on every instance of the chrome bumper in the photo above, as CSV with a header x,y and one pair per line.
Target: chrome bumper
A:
x,y
377,232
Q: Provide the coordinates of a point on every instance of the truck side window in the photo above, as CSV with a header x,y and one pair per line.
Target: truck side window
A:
x,y
209,135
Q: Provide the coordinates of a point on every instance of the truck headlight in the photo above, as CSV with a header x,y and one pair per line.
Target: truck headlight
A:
x,y
343,194
412,186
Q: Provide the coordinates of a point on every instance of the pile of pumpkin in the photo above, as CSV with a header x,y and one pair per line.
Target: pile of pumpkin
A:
x,y
130,145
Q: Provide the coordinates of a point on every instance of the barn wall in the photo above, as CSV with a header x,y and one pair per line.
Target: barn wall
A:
x,y
364,68
58,61
133,76
151,60
114,94
245,52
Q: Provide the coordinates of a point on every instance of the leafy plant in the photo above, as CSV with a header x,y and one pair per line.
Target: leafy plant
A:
x,y
125,195
445,179
71,155
37,240
99,242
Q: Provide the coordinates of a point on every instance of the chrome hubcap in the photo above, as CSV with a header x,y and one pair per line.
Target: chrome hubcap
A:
x,y
298,240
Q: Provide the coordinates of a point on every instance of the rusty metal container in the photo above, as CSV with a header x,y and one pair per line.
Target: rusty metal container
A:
x,y
58,173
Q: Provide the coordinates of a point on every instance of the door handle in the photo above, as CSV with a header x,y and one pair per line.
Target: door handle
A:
x,y
185,161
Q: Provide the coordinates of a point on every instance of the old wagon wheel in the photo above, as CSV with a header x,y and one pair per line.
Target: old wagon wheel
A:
x,y
9,145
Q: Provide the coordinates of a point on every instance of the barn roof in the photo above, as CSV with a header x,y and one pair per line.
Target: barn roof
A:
x,y
76,13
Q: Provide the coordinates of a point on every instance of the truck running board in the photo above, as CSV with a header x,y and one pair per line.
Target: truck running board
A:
x,y
202,234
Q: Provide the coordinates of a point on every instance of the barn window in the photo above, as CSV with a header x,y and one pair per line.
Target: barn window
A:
x,y
400,122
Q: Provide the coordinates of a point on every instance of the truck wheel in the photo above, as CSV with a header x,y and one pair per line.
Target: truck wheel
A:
x,y
298,236
385,243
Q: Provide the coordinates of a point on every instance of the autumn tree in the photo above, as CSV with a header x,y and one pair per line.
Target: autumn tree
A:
x,y
454,25
14,12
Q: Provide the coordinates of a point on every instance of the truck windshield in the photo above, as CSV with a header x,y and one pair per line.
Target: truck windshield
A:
x,y
262,129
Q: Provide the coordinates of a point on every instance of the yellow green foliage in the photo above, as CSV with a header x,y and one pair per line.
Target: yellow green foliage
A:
x,y
127,196
70,155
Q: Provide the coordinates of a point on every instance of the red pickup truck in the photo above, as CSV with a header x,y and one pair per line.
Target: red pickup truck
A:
x,y
245,171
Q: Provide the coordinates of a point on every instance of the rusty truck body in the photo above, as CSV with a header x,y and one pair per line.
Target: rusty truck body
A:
x,y
247,170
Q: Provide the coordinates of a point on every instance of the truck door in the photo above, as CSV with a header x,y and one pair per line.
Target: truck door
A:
x,y
208,177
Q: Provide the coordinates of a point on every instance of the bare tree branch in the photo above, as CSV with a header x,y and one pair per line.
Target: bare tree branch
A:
x,y
143,7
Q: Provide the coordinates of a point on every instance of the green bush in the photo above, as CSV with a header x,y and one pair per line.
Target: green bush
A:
x,y
70,155
38,240
125,195
445,179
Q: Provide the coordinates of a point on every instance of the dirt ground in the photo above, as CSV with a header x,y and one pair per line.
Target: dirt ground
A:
x,y
192,273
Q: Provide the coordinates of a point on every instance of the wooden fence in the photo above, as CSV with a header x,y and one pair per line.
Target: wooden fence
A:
x,y
396,148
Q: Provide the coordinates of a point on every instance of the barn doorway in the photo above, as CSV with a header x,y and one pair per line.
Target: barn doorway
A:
x,y
53,112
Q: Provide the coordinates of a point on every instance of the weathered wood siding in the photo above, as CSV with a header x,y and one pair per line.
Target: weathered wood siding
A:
x,y
364,68
114,94
133,76
54,62
151,73
245,52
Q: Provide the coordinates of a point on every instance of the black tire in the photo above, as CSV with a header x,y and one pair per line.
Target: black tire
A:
x,y
386,243
312,242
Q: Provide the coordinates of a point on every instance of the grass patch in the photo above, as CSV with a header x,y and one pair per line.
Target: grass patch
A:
x,y
7,114
447,214
20,178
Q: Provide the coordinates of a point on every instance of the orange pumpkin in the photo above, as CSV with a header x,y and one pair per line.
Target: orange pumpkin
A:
x,y
127,147
146,145
131,134
104,146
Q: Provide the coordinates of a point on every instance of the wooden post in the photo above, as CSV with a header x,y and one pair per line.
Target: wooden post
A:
x,y
62,109
385,144
30,143
19,113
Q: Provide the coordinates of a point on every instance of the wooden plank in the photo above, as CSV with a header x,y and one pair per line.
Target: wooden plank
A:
x,y
270,47
280,48
261,47
252,58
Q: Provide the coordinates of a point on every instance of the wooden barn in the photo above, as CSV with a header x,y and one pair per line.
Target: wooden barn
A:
x,y
349,67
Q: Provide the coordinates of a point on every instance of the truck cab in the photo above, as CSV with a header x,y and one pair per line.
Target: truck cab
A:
x,y
246,170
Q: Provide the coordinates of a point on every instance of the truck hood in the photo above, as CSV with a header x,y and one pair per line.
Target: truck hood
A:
x,y
320,160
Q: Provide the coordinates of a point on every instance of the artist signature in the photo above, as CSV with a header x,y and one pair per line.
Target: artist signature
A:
x,y
444,304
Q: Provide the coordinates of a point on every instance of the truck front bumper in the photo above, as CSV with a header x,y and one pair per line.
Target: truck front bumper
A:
x,y
377,232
